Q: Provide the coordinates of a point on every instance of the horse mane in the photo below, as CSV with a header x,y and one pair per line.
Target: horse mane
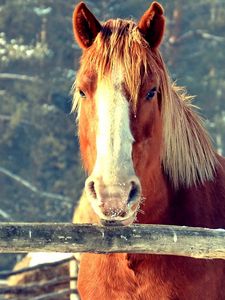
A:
x,y
187,154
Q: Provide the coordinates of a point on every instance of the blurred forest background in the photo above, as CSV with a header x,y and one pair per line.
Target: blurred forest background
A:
x,y
40,173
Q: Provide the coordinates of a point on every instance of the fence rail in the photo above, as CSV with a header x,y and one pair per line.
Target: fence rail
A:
x,y
41,266
153,239
46,281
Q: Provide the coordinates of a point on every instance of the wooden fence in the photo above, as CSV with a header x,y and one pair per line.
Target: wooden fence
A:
x,y
153,239
63,237
46,281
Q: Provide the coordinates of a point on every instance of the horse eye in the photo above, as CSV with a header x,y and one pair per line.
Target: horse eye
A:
x,y
82,94
151,94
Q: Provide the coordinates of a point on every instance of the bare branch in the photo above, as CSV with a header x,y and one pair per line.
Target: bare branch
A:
x,y
7,118
197,33
5,215
208,36
9,76
33,188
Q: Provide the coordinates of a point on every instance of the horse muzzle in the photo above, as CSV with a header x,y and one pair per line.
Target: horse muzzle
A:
x,y
114,203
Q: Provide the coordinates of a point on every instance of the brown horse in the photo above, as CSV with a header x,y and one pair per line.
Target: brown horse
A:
x,y
149,160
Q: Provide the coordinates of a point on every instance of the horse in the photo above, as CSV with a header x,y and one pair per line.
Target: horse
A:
x,y
148,157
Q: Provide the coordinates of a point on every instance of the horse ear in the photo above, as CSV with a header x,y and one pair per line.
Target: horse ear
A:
x,y
152,25
85,26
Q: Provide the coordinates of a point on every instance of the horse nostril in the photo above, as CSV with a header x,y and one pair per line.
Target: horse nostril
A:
x,y
134,192
91,189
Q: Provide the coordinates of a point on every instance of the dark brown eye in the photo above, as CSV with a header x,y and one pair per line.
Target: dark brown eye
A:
x,y
82,94
151,94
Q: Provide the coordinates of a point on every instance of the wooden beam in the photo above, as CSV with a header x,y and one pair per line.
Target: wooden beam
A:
x,y
43,266
153,239
51,296
35,288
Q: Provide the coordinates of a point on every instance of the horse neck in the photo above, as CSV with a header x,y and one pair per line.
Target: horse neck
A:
x,y
156,191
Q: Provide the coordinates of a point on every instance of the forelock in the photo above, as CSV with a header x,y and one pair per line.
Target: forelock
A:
x,y
120,45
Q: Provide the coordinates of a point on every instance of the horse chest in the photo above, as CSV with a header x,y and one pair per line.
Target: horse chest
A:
x,y
104,277
146,277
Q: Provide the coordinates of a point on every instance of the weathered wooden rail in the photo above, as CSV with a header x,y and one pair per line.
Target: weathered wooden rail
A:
x,y
45,281
153,239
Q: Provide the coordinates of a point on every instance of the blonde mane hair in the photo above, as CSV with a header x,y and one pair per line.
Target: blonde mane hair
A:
x,y
187,153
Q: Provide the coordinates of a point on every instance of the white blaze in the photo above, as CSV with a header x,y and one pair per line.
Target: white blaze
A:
x,y
114,139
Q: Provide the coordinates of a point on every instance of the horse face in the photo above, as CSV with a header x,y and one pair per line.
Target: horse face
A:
x,y
109,129
117,143
113,187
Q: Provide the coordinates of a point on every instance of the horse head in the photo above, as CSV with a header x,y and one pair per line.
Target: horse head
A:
x,y
118,95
